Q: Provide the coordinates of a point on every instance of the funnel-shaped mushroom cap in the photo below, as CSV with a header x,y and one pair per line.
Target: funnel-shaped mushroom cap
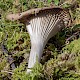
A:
x,y
42,24
27,15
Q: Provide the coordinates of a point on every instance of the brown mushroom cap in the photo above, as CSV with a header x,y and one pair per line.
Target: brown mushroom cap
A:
x,y
24,16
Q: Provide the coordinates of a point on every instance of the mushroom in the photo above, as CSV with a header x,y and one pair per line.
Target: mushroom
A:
x,y
42,24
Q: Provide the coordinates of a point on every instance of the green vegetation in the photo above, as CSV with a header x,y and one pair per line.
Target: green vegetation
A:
x,y
61,57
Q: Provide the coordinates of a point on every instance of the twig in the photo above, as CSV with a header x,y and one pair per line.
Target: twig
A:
x,y
75,34
7,72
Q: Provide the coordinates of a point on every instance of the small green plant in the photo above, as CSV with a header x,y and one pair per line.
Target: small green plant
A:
x,y
56,2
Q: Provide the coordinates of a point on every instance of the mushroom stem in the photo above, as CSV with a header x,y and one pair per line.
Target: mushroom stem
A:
x,y
37,46
36,52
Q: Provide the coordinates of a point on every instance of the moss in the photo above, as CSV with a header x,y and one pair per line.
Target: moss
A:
x,y
20,72
73,47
